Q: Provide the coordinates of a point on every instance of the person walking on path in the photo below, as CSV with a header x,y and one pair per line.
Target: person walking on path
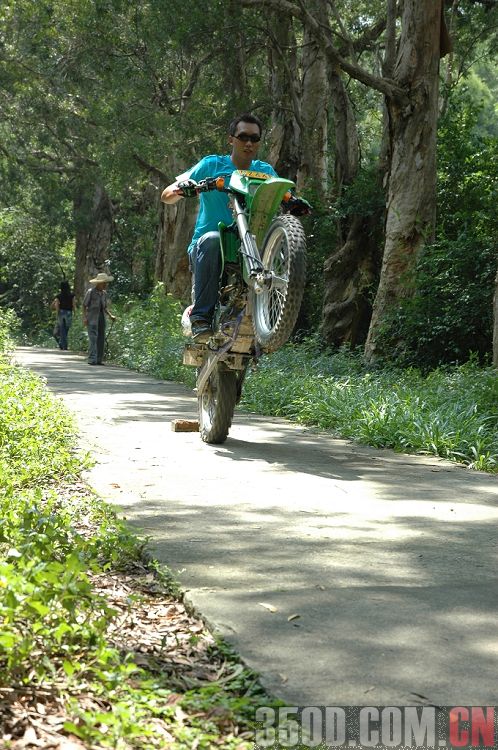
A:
x,y
64,306
94,311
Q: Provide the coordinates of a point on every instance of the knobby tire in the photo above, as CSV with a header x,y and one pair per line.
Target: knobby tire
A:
x,y
276,310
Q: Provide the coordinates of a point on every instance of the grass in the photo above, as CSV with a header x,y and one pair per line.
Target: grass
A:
x,y
77,590
450,412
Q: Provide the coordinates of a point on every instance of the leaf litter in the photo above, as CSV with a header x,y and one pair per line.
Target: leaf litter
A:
x,y
160,634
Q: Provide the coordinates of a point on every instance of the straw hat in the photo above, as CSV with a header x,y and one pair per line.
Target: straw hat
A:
x,y
101,278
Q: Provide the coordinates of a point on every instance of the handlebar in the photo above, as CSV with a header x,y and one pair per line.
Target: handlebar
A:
x,y
190,188
213,183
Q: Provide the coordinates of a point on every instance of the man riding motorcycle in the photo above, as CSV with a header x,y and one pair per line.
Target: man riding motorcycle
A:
x,y
244,137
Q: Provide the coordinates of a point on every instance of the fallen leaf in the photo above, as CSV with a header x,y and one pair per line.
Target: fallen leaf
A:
x,y
269,607
293,617
70,745
30,737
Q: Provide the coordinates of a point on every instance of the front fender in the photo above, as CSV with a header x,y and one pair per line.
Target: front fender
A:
x,y
265,204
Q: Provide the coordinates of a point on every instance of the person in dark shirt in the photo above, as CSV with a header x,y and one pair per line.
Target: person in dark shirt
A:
x,y
64,306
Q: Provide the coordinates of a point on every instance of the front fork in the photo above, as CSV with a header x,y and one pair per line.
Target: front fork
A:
x,y
257,278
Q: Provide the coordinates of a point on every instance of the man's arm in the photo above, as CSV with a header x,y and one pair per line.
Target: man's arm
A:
x,y
171,194
84,306
109,314
184,185
180,189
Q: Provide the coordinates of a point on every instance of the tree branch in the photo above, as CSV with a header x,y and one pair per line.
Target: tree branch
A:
x,y
347,38
386,86
390,54
150,168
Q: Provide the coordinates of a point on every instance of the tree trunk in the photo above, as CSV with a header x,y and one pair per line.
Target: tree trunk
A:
x,y
236,70
495,324
353,268
176,229
92,209
347,147
349,275
313,168
410,211
285,95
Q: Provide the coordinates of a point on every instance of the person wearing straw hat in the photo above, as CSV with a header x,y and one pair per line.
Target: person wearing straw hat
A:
x,y
94,311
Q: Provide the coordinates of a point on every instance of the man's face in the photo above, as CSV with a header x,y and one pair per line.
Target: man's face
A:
x,y
242,147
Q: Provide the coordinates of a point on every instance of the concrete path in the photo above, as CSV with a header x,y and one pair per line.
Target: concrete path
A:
x,y
389,560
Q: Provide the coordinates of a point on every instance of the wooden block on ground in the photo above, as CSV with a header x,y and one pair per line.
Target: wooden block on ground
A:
x,y
185,425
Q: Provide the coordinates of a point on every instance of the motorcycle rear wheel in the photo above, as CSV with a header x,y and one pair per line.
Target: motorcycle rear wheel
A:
x,y
275,310
217,404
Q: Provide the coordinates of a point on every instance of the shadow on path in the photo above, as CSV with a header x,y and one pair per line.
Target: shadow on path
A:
x,y
388,560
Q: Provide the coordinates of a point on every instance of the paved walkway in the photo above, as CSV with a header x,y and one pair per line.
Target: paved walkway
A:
x,y
389,560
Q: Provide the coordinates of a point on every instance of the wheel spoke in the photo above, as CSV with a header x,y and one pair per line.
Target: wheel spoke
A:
x,y
283,256
279,282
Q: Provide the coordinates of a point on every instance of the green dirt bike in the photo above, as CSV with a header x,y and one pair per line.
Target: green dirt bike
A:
x,y
261,289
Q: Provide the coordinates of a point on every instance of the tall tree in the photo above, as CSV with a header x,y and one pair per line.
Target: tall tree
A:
x,y
313,167
93,221
411,100
411,199
285,95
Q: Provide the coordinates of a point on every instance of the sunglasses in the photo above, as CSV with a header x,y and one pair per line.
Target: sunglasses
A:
x,y
245,138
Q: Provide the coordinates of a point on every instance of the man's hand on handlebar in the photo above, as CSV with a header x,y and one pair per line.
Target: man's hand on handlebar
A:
x,y
188,188
296,206
191,188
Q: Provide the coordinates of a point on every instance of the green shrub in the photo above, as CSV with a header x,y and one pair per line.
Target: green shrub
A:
x,y
147,337
451,412
450,316
34,253
9,326
34,430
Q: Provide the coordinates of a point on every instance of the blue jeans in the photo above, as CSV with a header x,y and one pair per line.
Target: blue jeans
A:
x,y
65,320
96,340
205,263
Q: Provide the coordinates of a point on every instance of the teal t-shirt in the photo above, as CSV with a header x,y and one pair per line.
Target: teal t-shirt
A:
x,y
214,206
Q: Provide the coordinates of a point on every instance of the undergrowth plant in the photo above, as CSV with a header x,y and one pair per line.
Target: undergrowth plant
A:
x,y
53,625
450,412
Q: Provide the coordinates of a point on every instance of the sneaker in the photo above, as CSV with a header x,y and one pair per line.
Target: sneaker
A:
x,y
201,330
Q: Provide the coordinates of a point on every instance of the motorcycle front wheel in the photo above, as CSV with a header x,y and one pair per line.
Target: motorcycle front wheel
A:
x,y
217,404
275,309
